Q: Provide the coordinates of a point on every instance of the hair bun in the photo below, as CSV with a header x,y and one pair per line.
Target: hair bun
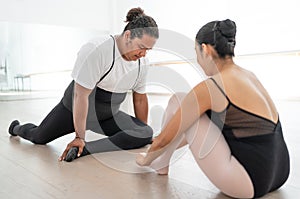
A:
x,y
134,13
228,28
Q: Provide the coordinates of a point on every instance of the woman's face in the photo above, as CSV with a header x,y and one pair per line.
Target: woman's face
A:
x,y
138,47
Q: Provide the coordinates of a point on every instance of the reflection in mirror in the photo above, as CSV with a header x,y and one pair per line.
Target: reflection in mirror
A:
x,y
39,57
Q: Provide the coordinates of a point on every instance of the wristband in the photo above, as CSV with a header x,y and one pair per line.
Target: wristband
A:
x,y
77,137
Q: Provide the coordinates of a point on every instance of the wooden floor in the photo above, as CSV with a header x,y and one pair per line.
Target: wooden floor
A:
x,y
32,171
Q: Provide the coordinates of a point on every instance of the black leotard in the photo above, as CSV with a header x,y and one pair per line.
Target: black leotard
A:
x,y
257,143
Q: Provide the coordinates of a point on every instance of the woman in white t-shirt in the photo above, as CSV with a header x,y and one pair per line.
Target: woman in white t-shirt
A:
x,y
105,70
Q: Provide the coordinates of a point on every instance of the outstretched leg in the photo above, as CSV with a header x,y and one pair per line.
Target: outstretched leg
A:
x,y
57,123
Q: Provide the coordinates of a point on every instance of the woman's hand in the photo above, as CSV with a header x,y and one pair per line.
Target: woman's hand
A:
x,y
77,142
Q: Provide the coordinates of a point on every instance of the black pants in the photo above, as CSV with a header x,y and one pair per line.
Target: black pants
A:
x,y
123,130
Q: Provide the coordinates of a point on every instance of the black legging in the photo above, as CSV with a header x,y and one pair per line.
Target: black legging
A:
x,y
123,131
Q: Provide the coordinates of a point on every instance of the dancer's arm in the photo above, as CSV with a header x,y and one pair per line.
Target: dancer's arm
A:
x,y
80,110
196,102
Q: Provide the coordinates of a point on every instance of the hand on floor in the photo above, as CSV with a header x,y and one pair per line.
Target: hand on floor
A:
x,y
76,143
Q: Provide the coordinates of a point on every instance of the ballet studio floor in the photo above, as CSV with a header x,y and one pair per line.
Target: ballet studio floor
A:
x,y
33,171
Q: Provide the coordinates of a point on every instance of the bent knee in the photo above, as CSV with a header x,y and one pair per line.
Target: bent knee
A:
x,y
176,98
145,137
144,132
39,141
147,132
174,101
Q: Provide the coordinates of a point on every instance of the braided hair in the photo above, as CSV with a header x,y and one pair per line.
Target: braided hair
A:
x,y
139,23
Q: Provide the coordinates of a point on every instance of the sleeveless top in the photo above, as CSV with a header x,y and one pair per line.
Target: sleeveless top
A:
x,y
240,122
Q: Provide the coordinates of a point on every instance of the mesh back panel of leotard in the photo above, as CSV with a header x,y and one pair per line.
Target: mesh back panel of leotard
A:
x,y
241,122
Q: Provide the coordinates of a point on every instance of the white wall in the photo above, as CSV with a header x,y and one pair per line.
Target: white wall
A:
x,y
278,73
39,36
32,49
263,27
92,14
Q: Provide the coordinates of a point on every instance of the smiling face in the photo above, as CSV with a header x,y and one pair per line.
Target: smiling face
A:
x,y
138,47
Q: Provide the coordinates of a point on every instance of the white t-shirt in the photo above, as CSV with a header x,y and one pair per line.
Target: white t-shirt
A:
x,y
95,58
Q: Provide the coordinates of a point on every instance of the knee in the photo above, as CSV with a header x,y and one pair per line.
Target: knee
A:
x,y
141,130
176,99
39,141
143,137
148,132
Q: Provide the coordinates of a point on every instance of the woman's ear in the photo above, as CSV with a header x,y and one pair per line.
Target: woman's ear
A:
x,y
208,50
205,49
127,34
